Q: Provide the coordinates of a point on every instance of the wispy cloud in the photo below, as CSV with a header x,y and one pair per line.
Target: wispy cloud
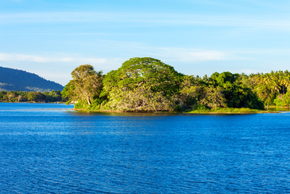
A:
x,y
106,64
53,75
190,55
164,53
148,19
245,71
64,64
44,59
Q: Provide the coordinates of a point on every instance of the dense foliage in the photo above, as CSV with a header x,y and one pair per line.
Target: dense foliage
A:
x,y
18,80
86,86
141,84
21,96
147,84
271,88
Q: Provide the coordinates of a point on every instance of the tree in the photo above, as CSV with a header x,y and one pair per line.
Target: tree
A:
x,y
68,92
19,98
286,98
190,89
31,96
270,86
11,96
142,84
86,84
213,97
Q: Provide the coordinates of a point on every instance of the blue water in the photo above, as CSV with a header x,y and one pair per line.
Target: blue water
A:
x,y
48,148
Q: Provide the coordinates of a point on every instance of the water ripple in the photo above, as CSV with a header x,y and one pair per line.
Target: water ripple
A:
x,y
55,151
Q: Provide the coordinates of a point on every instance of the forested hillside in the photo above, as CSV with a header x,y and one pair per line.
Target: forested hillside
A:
x,y
147,84
14,80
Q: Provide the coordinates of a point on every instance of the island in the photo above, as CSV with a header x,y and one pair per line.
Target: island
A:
x,y
149,85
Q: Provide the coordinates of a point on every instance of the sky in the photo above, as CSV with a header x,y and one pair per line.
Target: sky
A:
x,y
51,37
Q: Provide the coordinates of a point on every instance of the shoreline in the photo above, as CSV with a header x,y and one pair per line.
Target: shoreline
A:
x,y
223,111
191,112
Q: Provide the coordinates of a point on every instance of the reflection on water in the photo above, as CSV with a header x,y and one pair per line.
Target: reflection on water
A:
x,y
55,151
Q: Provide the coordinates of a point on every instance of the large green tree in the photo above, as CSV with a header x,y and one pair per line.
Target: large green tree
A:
x,y
85,86
234,92
142,84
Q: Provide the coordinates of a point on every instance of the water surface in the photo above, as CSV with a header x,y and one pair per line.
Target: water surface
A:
x,y
48,148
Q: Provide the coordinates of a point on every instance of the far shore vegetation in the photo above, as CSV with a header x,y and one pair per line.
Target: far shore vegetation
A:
x,y
39,97
149,85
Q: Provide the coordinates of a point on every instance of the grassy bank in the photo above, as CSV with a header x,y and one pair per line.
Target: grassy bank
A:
x,y
278,108
230,111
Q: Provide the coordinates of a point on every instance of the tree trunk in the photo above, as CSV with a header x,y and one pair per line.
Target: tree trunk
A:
x,y
88,99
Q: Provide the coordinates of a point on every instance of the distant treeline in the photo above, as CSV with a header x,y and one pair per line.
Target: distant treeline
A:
x,y
21,96
147,84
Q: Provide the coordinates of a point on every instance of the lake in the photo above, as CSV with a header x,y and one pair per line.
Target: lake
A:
x,y
48,148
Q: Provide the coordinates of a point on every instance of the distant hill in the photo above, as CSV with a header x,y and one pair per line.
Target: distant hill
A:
x,y
14,80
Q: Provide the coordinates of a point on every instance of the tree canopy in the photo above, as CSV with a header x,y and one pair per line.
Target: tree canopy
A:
x,y
142,84
86,84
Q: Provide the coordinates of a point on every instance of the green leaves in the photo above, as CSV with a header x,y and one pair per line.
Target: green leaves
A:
x,y
145,84
86,85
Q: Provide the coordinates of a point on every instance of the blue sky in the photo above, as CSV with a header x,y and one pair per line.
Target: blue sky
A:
x,y
51,38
